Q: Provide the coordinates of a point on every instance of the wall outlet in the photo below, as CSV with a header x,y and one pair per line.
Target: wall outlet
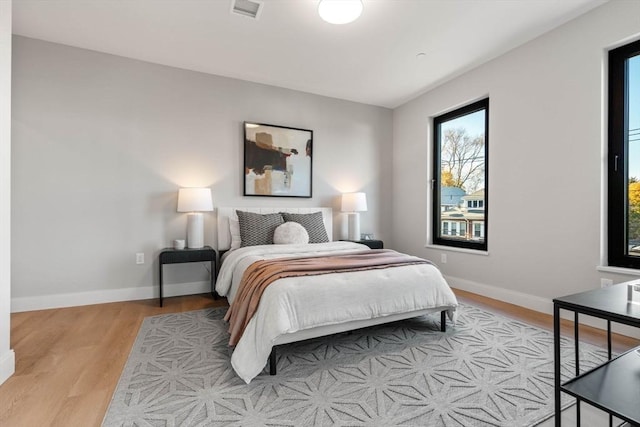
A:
x,y
443,258
140,258
605,283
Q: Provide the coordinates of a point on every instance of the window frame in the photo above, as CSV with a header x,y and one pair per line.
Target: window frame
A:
x,y
618,158
436,235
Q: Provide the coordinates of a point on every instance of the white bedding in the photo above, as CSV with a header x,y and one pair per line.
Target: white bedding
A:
x,y
295,304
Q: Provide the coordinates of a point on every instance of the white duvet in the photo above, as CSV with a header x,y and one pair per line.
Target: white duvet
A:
x,y
299,303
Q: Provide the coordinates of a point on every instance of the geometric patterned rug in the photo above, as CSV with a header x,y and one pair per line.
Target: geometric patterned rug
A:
x,y
486,370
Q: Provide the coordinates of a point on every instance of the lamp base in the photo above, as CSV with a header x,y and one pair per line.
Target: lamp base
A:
x,y
195,230
354,226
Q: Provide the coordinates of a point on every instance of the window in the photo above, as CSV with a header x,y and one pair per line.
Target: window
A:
x,y
460,167
477,230
624,156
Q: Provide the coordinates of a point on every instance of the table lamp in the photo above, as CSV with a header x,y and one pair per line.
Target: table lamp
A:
x,y
352,203
195,201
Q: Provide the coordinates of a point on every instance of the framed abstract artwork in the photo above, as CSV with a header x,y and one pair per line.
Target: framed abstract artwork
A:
x,y
277,161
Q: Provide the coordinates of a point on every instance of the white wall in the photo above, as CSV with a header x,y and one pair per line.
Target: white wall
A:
x,y
7,357
101,145
547,127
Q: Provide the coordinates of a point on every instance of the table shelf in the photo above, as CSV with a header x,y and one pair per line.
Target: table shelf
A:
x,y
613,386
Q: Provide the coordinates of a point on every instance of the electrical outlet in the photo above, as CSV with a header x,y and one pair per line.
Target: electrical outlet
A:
x,y
140,258
443,258
605,283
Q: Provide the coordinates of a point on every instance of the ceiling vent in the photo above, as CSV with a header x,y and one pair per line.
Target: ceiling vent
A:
x,y
250,8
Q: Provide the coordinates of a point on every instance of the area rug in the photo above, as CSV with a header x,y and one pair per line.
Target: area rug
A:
x,y
486,370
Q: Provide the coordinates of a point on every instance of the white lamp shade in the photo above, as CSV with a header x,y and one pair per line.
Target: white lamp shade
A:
x,y
195,200
354,202
340,11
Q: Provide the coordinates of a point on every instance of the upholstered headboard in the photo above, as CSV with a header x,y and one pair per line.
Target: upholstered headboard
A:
x,y
224,235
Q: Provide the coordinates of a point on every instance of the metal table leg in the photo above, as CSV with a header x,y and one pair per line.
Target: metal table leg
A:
x,y
556,363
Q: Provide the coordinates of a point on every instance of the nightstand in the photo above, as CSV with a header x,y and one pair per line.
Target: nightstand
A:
x,y
179,256
373,244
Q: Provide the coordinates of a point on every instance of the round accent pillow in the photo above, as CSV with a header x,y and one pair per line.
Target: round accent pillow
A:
x,y
290,233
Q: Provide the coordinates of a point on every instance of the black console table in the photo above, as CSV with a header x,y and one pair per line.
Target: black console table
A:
x,y
178,256
613,386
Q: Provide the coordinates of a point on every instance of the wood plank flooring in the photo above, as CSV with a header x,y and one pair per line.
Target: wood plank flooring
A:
x,y
69,360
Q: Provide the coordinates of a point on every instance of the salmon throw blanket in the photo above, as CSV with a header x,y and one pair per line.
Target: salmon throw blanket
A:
x,y
262,273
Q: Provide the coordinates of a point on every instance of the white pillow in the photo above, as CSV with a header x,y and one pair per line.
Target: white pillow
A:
x,y
290,233
234,229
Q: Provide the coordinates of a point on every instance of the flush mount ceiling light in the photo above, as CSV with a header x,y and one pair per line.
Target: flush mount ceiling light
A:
x,y
340,11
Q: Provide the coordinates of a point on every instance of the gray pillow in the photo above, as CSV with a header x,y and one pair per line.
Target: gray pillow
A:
x,y
312,222
257,229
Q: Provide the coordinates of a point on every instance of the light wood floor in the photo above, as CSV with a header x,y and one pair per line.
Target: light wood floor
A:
x,y
69,360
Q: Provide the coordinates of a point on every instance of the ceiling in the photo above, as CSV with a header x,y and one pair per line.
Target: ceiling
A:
x,y
373,60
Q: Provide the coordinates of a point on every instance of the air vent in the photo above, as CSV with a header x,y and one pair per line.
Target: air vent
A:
x,y
250,8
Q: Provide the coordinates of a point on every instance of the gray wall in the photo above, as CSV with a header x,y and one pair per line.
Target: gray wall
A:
x,y
7,357
101,145
546,145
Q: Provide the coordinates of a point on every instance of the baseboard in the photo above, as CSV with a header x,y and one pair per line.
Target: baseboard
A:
x,y
536,303
7,365
532,302
44,302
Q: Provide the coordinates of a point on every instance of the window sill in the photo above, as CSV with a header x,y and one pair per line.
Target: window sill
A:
x,y
454,249
618,270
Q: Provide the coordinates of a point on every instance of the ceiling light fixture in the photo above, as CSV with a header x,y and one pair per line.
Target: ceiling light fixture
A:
x,y
340,11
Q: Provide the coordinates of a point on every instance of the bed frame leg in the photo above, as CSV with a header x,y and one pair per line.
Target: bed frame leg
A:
x,y
272,361
443,321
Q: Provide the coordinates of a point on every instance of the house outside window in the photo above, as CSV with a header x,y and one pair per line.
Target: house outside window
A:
x,y
624,157
461,176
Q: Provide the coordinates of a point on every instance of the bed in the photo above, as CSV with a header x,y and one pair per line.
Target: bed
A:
x,y
299,308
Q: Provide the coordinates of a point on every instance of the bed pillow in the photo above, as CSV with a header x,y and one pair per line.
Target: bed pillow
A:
x,y
312,223
234,229
290,233
257,229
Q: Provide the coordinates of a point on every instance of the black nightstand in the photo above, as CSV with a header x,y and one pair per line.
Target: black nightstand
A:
x,y
373,244
179,256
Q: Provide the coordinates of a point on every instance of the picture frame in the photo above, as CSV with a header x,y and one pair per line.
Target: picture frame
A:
x,y
277,161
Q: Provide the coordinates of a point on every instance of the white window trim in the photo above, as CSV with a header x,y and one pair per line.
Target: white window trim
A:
x,y
618,270
455,249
